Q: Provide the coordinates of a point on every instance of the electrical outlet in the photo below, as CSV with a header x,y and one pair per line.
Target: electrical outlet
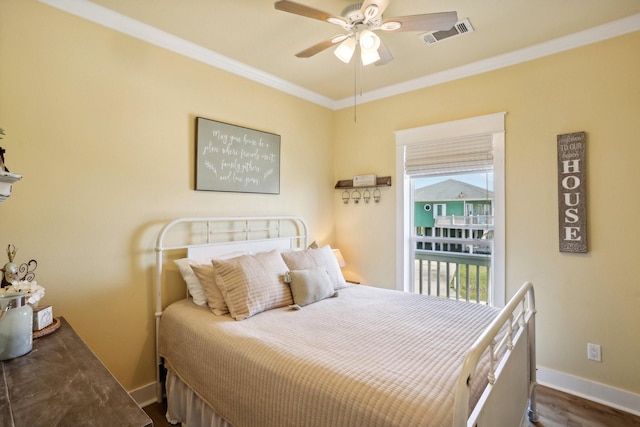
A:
x,y
594,352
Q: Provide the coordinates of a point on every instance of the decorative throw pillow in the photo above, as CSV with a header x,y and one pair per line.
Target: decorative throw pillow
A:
x,y
187,267
207,278
312,258
309,286
252,284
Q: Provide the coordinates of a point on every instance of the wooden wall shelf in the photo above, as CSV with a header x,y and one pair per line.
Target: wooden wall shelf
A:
x,y
346,184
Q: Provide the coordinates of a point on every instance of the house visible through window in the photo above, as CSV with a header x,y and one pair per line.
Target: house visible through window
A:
x,y
453,224
451,209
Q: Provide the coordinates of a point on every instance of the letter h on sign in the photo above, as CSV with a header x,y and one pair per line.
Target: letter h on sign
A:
x,y
572,200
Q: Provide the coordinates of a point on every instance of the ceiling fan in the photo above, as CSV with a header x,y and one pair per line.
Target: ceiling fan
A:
x,y
360,21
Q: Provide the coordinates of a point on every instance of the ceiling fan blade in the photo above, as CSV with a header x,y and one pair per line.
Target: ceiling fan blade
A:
x,y
317,48
309,12
385,55
376,8
427,22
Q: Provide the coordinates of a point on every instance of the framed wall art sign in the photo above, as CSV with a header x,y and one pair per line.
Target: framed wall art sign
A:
x,y
236,159
572,192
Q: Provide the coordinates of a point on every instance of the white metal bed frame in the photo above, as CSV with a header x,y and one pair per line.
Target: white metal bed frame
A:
x,y
254,234
512,373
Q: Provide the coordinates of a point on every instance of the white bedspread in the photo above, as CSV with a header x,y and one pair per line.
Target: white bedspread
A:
x,y
370,357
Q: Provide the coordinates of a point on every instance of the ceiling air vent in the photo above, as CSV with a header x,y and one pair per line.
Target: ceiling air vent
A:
x,y
461,27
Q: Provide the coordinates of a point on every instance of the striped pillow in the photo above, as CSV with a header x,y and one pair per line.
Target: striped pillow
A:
x,y
251,284
198,275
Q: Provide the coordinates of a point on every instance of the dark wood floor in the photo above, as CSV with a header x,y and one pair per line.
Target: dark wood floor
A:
x,y
560,409
554,407
156,412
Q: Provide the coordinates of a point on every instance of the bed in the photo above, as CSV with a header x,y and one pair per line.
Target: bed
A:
x,y
298,345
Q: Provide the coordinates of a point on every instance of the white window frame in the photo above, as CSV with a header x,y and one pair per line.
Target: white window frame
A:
x,y
469,209
492,124
440,209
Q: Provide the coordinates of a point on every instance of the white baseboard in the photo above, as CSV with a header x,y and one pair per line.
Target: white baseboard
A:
x,y
144,395
590,390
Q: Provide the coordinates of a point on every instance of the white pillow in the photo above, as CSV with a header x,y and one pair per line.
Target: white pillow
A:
x,y
193,284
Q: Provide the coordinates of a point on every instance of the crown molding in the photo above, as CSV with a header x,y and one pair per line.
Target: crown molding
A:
x,y
118,22
131,27
572,41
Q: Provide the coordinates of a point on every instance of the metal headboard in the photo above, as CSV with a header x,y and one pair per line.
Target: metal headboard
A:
x,y
220,234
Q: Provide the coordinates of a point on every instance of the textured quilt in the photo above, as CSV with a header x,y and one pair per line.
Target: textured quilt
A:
x,y
370,357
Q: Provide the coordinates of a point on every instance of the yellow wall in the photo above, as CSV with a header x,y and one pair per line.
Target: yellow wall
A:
x,y
102,128
580,298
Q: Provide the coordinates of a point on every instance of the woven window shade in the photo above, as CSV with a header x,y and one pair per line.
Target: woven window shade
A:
x,y
473,154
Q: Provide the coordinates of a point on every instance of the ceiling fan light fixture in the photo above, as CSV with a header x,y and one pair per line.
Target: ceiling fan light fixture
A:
x,y
361,21
345,50
369,44
391,26
370,57
369,40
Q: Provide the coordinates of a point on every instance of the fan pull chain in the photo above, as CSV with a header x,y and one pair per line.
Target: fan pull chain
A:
x,y
361,67
357,70
355,91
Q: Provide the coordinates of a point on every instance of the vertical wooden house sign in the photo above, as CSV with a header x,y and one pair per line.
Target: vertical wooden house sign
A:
x,y
572,192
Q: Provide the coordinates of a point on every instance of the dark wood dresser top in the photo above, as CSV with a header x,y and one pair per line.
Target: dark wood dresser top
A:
x,y
62,383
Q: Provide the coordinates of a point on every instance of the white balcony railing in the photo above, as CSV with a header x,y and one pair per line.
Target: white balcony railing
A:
x,y
460,276
460,220
454,261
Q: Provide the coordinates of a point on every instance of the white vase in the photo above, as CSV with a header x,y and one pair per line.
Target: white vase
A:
x,y
16,326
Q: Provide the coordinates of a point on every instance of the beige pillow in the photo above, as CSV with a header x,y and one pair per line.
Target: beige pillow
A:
x,y
199,295
206,277
251,284
309,286
312,258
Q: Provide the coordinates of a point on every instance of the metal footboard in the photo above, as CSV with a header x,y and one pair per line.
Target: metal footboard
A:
x,y
511,389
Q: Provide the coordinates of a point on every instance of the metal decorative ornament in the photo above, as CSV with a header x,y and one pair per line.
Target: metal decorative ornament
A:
x,y
13,272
